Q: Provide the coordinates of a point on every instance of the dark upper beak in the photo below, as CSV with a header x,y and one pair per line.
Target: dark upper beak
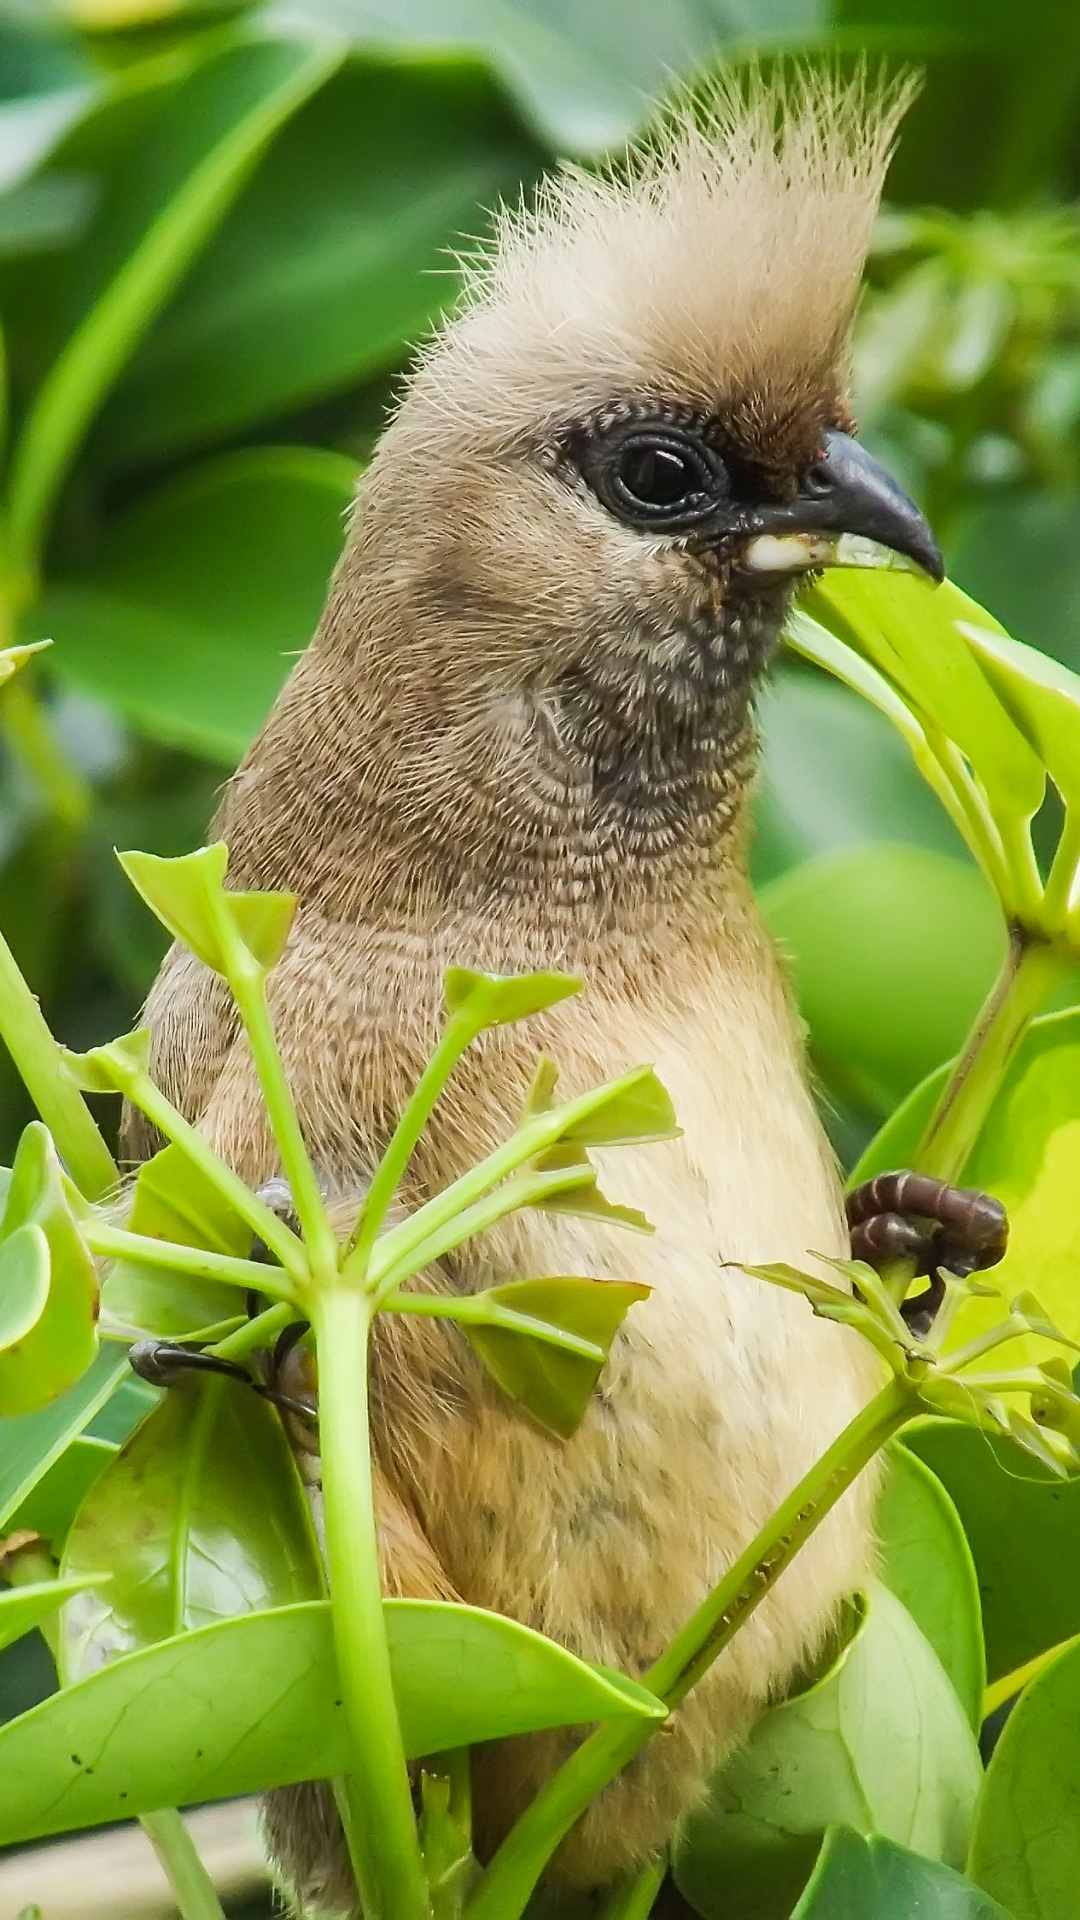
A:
x,y
847,491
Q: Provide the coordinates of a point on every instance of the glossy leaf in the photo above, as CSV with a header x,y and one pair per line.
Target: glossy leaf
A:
x,y
31,1446
1026,1847
893,949
189,897
184,617
42,1256
1042,696
1023,1529
927,1563
495,999
518,1343
201,1515
82,1757
210,131
24,1288
874,1879
49,1507
880,1741
333,257
174,1201
1026,1155
22,1608
910,632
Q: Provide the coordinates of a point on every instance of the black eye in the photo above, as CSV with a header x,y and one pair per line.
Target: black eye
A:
x,y
658,476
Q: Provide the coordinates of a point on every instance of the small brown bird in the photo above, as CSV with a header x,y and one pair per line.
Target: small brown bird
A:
x,y
523,737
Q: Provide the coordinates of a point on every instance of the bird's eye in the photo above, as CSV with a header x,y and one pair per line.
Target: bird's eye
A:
x,y
655,476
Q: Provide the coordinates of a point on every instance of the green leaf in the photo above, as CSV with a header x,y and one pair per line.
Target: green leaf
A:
x,y
185,613
1026,1155
174,1201
22,1608
1023,1529
878,1742
857,1879
43,1259
95,1070
927,1563
335,256
636,1107
201,1515
585,1202
1042,696
911,633
188,895
138,1734
50,1506
518,1343
32,1445
495,999
1026,1848
893,949
211,129
13,659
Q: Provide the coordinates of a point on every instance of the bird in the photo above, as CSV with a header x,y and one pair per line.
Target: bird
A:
x,y
523,736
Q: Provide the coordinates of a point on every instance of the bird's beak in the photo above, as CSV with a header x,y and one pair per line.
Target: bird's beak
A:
x,y
849,513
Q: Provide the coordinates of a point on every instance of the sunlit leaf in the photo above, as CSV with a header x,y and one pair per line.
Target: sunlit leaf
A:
x,y
189,897
517,1347
880,1741
13,659
1042,696
24,1287
83,1757
1026,1846
201,1516
927,1563
635,1108
874,1879
494,999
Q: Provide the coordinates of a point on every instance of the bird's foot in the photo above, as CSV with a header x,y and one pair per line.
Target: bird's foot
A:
x,y
911,1216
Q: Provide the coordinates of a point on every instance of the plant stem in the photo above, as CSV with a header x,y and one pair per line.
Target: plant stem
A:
x,y
248,983
505,1888
188,1878
384,1844
50,1083
262,1331
1030,970
1063,874
457,1035
68,795
113,1243
635,1900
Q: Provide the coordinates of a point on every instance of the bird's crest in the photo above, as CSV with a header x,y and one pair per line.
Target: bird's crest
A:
x,y
724,252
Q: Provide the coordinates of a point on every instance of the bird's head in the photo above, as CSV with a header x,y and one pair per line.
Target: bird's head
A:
x,y
579,535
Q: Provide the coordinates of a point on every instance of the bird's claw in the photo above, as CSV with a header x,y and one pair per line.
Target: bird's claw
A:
x,y
911,1216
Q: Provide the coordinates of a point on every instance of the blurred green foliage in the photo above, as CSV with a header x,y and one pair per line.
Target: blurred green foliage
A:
x,y
222,227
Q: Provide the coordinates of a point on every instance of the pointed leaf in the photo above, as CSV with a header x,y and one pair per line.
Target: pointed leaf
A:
x,y
540,1097
95,1070
636,1107
494,999
554,1383
189,897
22,1608
13,659
1041,695
253,1702
175,1514
174,1201
874,1879
584,1202
60,1343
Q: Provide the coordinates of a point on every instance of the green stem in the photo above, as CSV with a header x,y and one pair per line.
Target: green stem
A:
x,y
1030,970
50,1084
457,1035
384,1844
113,1243
476,1309
248,983
636,1900
1063,873
260,1332
505,1888
188,1878
275,1235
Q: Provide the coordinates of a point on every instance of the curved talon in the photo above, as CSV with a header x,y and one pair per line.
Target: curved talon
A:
x,y
912,1216
164,1362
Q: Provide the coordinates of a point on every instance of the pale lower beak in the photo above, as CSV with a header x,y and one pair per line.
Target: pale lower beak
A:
x,y
850,513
